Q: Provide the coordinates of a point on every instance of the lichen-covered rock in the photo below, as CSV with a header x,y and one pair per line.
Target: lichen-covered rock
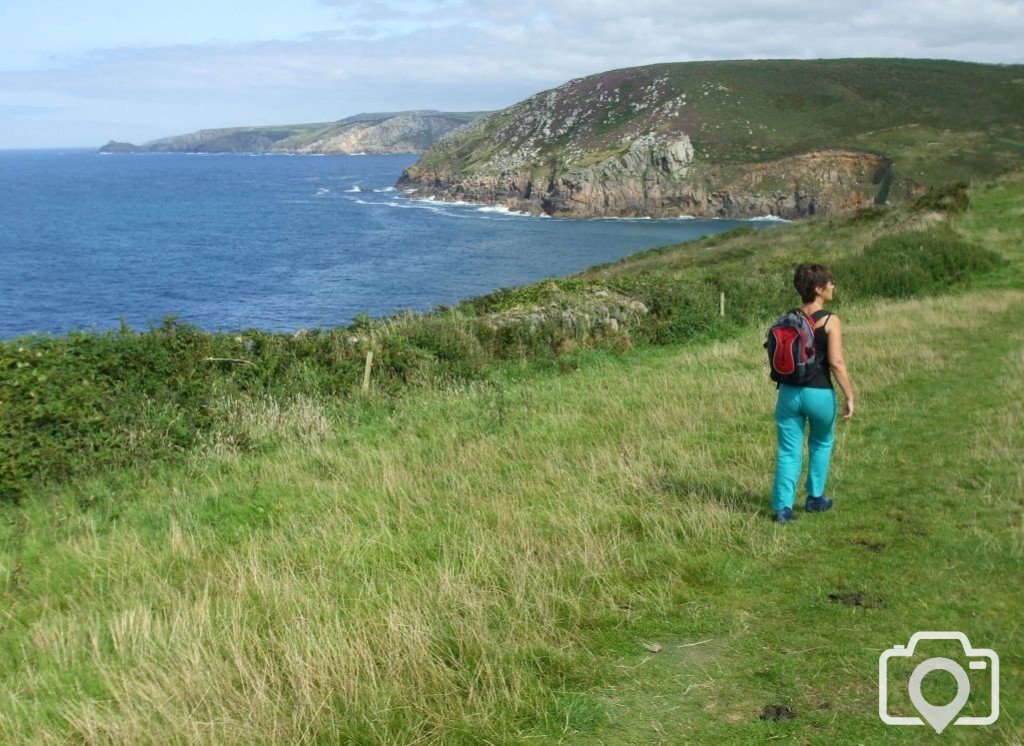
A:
x,y
595,314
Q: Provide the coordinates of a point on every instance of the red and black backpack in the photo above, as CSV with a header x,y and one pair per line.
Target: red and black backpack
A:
x,y
792,357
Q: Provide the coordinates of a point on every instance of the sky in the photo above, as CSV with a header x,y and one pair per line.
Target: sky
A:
x,y
77,74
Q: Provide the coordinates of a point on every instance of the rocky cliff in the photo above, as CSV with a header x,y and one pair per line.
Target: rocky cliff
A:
x,y
730,139
658,178
396,132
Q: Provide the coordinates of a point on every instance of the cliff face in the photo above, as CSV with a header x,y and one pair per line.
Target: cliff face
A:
x,y
821,182
658,178
744,138
402,132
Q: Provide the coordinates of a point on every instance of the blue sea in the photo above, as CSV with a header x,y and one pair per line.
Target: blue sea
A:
x,y
279,242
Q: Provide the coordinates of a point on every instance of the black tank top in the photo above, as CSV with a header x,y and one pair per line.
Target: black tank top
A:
x,y
823,380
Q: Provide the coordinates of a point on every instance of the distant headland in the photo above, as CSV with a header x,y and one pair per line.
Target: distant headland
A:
x,y
369,133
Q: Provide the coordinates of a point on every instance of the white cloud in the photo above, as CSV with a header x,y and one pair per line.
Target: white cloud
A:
x,y
482,54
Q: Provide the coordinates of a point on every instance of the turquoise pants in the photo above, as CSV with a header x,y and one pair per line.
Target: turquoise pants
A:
x,y
795,406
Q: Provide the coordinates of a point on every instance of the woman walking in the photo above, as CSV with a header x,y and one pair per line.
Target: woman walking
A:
x,y
814,402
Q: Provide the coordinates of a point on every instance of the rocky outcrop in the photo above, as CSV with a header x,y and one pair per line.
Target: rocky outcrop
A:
x,y
657,177
599,312
400,132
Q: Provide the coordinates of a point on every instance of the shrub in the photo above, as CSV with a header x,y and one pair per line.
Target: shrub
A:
x,y
911,264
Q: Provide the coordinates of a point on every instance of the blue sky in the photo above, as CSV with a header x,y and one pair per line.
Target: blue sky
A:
x,y
79,74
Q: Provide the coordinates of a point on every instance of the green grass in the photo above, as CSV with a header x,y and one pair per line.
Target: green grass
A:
x,y
483,561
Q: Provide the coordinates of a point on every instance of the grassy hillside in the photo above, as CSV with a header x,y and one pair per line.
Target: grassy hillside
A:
x,y
496,557
938,120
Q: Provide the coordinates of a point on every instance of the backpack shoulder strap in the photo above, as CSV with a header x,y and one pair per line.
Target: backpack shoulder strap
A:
x,y
817,315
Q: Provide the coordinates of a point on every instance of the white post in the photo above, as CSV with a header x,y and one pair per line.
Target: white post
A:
x,y
366,371
721,304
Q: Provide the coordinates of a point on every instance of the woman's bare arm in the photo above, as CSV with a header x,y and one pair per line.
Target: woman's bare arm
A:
x,y
838,364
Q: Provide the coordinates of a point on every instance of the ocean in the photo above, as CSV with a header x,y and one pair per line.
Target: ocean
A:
x,y
276,242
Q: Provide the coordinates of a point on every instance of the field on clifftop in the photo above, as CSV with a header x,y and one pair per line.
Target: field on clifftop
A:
x,y
536,537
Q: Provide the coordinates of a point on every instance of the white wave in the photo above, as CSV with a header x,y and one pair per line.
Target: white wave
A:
x,y
444,208
357,153
322,190
503,210
435,200
439,209
768,219
386,189
353,189
409,205
686,217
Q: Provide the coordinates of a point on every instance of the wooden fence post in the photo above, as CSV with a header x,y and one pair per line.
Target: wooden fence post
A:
x,y
721,304
366,371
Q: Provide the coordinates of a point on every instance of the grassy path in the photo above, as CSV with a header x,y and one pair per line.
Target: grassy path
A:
x,y
928,534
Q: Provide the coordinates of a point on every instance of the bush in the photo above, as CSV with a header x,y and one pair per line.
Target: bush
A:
x,y
536,293
913,264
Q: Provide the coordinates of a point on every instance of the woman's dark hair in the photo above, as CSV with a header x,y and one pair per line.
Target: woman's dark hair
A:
x,y
808,277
